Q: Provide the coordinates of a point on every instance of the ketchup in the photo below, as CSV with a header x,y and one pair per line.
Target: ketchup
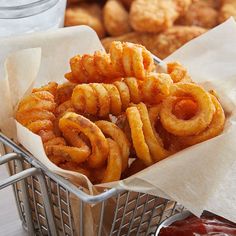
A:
x,y
206,225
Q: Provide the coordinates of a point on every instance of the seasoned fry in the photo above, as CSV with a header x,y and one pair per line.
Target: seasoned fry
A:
x,y
196,124
51,87
139,143
215,128
119,137
155,88
63,92
114,166
146,116
40,121
124,59
104,99
116,18
98,141
178,73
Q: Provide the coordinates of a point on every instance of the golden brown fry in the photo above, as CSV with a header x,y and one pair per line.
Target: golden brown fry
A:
x,y
201,14
51,87
134,90
155,88
63,107
155,147
114,163
124,59
116,18
196,124
73,166
86,14
228,9
156,15
64,92
98,141
163,44
104,99
138,139
178,73
119,137
215,128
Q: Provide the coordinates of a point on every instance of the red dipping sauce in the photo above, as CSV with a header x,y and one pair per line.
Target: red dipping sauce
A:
x,y
206,225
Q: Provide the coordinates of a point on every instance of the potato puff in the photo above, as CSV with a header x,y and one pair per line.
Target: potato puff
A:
x,y
116,18
200,13
152,15
182,6
212,3
162,45
172,39
228,9
86,14
127,3
156,15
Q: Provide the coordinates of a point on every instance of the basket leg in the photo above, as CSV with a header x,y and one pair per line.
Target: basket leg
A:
x,y
21,177
47,204
25,199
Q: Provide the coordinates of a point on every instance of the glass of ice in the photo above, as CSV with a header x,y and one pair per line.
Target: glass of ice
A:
x,y
27,16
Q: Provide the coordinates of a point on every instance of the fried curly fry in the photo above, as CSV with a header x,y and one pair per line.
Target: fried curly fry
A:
x,y
124,59
36,112
114,163
98,141
155,146
178,73
138,139
155,88
116,18
215,128
185,108
156,15
116,134
104,99
51,87
64,92
73,166
196,124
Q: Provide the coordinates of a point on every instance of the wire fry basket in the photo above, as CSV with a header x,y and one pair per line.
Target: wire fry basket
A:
x,y
45,207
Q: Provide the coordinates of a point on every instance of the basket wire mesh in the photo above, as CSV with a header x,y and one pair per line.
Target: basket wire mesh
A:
x,y
44,201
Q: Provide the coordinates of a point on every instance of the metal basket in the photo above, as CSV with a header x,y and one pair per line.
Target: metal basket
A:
x,y
44,201
45,206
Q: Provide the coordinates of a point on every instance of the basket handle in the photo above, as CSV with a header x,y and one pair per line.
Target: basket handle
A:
x,y
21,176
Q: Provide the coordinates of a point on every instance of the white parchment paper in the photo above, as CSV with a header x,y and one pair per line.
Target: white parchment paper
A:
x,y
202,177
